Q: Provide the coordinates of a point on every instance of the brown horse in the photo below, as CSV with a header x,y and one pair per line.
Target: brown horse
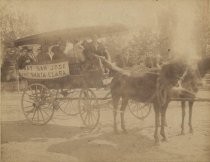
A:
x,y
190,82
143,88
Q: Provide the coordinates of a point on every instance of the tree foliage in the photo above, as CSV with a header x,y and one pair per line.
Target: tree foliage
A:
x,y
14,23
133,52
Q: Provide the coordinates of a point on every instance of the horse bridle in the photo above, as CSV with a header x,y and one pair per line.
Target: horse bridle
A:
x,y
185,73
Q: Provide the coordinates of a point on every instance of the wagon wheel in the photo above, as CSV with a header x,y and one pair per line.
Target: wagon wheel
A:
x,y
89,108
68,102
37,104
139,110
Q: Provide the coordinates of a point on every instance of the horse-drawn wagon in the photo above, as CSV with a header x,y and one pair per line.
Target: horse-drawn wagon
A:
x,y
56,85
63,85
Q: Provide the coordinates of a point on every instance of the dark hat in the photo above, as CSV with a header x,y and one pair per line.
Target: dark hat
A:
x,y
30,50
55,49
74,41
24,48
84,43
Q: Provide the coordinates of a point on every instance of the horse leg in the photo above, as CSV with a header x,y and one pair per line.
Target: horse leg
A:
x,y
157,122
122,111
183,116
190,116
115,106
163,121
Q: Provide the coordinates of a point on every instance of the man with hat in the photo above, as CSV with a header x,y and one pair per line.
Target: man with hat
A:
x,y
8,67
96,48
25,57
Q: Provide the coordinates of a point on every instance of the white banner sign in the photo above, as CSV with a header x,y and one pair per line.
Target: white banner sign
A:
x,y
47,71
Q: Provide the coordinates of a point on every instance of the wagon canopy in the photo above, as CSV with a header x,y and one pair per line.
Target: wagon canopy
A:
x,y
70,34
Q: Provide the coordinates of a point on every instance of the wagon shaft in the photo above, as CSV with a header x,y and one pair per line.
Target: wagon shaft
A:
x,y
191,99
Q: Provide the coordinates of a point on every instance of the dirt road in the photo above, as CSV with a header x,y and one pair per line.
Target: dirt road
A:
x,y
65,140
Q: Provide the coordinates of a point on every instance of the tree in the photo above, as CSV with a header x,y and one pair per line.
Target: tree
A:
x,y
14,23
133,50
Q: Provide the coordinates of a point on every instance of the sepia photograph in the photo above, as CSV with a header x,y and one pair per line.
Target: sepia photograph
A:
x,y
105,80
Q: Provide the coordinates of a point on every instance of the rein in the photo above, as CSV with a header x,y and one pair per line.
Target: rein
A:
x,y
197,72
182,77
161,88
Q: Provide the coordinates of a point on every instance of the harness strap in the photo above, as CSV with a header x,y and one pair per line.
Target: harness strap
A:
x,y
161,92
184,74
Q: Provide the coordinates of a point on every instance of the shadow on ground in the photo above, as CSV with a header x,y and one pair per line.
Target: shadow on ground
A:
x,y
20,131
104,147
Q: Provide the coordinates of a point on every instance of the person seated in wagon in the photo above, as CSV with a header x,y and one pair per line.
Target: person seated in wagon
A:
x,y
74,52
96,48
52,53
26,57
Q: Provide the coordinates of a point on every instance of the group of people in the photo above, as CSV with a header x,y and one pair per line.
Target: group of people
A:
x,y
28,56
82,52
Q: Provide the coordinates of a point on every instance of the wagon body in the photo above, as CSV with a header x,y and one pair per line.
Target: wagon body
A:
x,y
67,89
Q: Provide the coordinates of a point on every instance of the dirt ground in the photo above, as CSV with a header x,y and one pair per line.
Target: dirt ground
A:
x,y
64,138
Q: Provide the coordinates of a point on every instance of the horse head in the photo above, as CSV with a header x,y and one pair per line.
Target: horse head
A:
x,y
169,76
171,72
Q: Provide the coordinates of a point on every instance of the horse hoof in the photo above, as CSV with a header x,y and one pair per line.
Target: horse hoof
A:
x,y
157,143
164,140
182,133
191,131
116,132
125,131
162,134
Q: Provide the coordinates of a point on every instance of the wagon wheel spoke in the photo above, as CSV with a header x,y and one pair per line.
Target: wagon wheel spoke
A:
x,y
27,113
30,95
28,101
36,90
89,111
28,106
135,108
68,105
35,100
88,120
140,110
86,116
46,113
31,90
93,115
92,118
91,121
34,114
37,115
42,114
